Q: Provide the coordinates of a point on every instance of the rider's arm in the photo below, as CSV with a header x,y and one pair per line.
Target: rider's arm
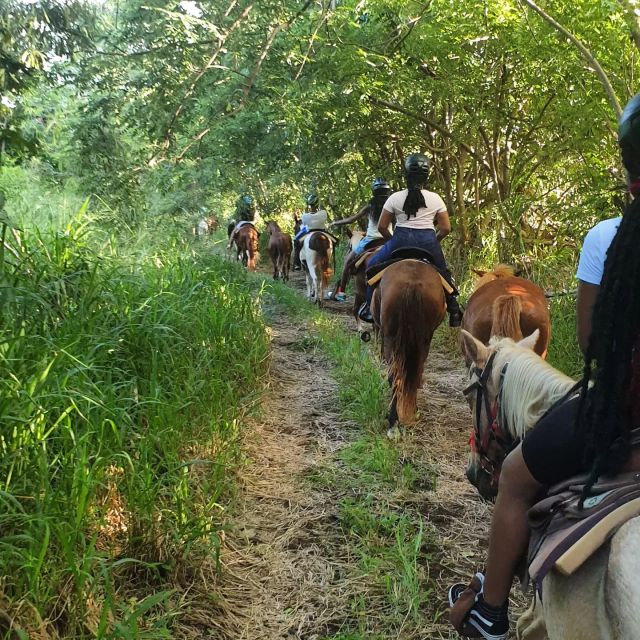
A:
x,y
350,219
443,224
587,294
383,224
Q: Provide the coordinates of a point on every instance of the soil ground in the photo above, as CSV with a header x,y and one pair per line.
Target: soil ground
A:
x,y
289,567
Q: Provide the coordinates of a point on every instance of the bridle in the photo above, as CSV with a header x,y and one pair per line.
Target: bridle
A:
x,y
492,442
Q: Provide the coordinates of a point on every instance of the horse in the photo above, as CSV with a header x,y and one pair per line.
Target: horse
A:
x,y
212,223
315,257
600,599
407,307
279,248
507,306
247,246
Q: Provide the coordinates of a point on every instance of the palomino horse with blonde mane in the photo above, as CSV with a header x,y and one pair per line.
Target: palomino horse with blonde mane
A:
x,y
279,247
407,307
315,256
601,599
506,306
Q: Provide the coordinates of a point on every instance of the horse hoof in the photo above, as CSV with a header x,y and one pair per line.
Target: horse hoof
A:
x,y
393,433
365,336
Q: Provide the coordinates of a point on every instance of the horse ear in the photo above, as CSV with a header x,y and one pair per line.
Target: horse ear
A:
x,y
473,348
478,272
530,341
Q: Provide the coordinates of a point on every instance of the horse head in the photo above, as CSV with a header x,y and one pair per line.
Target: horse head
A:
x,y
273,227
507,388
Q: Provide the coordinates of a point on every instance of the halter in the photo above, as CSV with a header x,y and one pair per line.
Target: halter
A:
x,y
493,443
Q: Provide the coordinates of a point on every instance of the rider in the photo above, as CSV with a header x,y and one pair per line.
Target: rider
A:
x,y
245,214
417,213
312,219
380,190
589,434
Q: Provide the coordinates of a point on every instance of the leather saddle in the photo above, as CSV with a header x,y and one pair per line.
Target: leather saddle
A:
x,y
564,535
408,253
331,237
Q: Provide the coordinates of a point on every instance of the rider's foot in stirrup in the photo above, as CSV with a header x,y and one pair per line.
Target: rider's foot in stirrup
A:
x,y
492,623
364,313
455,318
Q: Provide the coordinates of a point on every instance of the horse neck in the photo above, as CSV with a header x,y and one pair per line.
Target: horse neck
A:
x,y
529,388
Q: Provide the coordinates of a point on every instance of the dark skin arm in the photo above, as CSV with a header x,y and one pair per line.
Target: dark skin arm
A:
x,y
587,294
443,225
386,218
363,212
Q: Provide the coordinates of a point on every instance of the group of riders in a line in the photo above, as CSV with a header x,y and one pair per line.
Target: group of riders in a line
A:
x,y
593,430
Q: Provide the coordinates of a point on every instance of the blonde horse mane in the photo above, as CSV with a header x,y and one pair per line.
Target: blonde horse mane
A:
x,y
499,271
530,386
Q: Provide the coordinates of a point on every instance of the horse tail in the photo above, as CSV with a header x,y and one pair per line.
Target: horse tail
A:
x,y
321,244
404,331
505,315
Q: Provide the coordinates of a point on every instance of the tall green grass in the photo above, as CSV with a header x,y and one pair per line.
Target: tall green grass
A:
x,y
123,374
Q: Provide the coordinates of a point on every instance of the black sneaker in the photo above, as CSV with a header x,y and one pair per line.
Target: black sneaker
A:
x,y
492,623
364,313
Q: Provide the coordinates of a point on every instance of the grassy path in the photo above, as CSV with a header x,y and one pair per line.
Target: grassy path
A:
x,y
340,533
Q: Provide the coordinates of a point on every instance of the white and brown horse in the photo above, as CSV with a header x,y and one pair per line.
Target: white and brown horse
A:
x,y
601,600
315,255
279,248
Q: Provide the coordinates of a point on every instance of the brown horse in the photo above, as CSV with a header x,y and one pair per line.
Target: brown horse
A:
x,y
506,306
360,280
407,307
247,246
279,248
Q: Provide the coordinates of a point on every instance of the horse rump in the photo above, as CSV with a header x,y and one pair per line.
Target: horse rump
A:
x,y
506,317
321,244
406,345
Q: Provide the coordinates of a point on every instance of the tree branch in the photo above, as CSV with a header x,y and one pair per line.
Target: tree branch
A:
x,y
586,54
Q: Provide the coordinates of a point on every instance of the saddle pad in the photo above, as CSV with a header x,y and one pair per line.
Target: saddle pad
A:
x,y
378,276
333,239
584,548
364,256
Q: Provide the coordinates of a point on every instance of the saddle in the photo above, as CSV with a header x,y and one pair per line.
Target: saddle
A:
x,y
372,247
374,274
246,223
333,238
564,536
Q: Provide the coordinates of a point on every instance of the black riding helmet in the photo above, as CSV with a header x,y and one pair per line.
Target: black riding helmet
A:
x,y
629,137
312,200
417,163
380,187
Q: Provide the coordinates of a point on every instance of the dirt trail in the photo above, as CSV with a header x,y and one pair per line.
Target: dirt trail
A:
x,y
287,564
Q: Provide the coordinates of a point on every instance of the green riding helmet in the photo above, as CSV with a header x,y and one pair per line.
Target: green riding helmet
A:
x,y
417,163
629,137
380,187
245,208
312,200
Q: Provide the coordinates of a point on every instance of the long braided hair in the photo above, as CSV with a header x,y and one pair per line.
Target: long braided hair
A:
x,y
416,180
605,414
376,204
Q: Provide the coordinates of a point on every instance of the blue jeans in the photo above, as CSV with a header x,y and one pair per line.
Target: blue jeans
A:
x,y
406,237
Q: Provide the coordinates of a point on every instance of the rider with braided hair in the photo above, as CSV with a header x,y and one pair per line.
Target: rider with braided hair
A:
x,y
380,190
422,220
587,434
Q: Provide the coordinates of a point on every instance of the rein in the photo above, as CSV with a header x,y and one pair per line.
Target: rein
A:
x,y
482,441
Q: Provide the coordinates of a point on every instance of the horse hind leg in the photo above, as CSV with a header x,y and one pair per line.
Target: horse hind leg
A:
x,y
393,430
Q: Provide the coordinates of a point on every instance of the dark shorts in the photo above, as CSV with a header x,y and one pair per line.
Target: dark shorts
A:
x,y
553,450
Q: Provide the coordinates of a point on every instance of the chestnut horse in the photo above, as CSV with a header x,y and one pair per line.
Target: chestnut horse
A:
x,y
279,248
247,246
315,256
506,306
407,307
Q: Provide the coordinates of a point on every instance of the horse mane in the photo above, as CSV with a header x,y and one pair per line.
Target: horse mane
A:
x,y
505,316
499,271
530,386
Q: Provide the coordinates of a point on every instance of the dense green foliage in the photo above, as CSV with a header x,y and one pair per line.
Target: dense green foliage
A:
x,y
125,366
